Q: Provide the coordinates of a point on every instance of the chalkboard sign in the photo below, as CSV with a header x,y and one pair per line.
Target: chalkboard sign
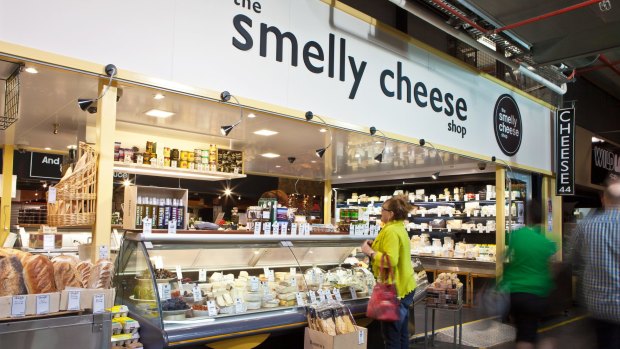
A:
x,y
43,165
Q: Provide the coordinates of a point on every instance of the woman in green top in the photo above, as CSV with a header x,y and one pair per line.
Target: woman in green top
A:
x,y
527,277
393,242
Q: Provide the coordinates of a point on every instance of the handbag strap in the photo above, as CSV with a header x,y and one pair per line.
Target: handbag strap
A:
x,y
390,271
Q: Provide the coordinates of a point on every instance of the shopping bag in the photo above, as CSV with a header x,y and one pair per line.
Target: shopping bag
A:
x,y
383,304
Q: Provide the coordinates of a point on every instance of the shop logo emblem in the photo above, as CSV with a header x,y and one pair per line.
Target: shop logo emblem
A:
x,y
507,125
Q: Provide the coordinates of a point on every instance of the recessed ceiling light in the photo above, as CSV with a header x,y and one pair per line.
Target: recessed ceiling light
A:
x,y
339,176
323,130
358,155
378,142
278,166
251,115
313,161
265,132
72,146
270,155
31,70
159,113
158,96
47,148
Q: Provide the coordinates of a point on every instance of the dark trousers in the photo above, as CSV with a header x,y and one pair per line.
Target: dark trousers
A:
x,y
607,334
526,309
396,333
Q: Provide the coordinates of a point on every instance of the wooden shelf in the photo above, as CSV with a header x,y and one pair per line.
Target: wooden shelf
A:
x,y
174,172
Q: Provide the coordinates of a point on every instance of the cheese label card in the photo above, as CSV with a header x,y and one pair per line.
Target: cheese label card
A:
x,y
164,291
275,229
18,306
423,214
48,241
300,299
468,230
172,226
51,195
447,198
449,229
283,228
321,296
293,228
468,214
293,271
265,287
271,277
266,271
476,213
104,253
43,304
351,229
202,275
73,303
430,228
477,197
267,228
312,296
254,283
337,294
147,225
179,273
450,215
426,199
149,245
98,303
197,293
159,262
211,308
360,337
293,281
257,228
238,306
353,293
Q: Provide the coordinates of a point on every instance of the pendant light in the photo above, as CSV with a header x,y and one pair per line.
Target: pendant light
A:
x,y
225,96
435,175
379,157
321,151
86,104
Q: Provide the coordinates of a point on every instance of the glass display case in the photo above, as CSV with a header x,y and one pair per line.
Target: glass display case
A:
x,y
200,288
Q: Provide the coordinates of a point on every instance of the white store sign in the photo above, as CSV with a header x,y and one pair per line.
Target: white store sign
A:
x,y
303,55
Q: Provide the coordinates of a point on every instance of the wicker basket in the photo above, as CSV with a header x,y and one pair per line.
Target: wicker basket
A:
x,y
76,198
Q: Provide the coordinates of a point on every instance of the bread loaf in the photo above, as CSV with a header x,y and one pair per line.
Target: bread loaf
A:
x,y
11,276
101,274
84,268
39,275
73,260
21,255
65,273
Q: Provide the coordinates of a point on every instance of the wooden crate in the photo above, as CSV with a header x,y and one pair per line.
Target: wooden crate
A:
x,y
132,192
76,194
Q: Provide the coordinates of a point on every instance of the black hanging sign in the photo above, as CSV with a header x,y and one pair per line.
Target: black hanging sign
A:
x,y
605,163
43,165
565,152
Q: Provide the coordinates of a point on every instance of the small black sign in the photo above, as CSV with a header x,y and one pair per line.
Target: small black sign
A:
x,y
565,152
507,125
44,165
605,163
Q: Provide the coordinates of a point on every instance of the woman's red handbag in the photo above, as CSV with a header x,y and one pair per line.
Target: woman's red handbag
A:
x,y
383,304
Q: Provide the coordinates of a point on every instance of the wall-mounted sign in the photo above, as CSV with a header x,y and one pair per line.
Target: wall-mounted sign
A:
x,y
605,163
43,165
507,125
565,152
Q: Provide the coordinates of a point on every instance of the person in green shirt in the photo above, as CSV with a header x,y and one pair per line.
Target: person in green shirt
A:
x,y
527,277
393,242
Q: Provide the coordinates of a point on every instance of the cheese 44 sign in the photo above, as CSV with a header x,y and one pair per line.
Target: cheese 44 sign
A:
x,y
565,152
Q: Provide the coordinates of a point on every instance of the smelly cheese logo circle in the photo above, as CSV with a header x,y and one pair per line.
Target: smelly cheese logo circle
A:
x,y
507,125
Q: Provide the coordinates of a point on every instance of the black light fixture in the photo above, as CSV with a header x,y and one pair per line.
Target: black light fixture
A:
x,y
56,128
86,104
225,96
379,157
435,175
321,151
291,159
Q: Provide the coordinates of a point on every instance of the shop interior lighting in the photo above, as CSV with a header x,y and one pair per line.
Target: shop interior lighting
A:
x,y
227,191
225,96
47,148
86,104
126,182
379,157
158,96
321,151
55,128
435,175
270,155
31,70
265,133
291,159
158,113
44,184
251,115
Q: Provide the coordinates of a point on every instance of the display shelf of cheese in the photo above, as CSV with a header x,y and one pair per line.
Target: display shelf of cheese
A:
x,y
184,173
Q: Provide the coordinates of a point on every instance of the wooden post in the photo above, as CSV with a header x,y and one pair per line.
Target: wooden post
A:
x,y
327,202
549,198
7,185
500,220
106,125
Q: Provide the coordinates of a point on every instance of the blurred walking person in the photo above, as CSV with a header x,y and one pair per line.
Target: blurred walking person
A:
x,y
596,259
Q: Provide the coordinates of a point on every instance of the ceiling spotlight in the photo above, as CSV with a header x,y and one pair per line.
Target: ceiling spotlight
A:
x,y
87,104
373,130
225,96
422,142
291,159
44,184
227,191
321,151
158,96
379,157
31,70
56,128
435,175
309,115
126,183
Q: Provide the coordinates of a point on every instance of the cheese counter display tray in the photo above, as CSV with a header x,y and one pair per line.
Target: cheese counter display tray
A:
x,y
200,288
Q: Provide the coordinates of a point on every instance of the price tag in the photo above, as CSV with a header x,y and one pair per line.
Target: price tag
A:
x,y
308,229
148,245
254,284
476,213
293,271
238,305
271,276
293,281
267,228
211,308
468,230
447,198
449,229
48,241
179,273
283,228
51,195
450,215
293,228
423,214
265,287
353,293
312,296
300,299
322,297
164,291
430,228
147,225
98,303
275,228
465,197
266,271
351,229
197,293
468,214
18,306
337,294
172,226
477,197
202,275
257,228
43,304
73,303
360,337
438,214
487,229
104,253
426,199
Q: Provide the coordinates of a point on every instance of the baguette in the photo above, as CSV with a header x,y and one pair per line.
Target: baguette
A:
x,y
11,276
39,275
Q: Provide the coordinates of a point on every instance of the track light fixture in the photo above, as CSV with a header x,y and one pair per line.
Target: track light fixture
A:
x,y
291,159
321,151
86,104
225,97
435,175
373,131
56,128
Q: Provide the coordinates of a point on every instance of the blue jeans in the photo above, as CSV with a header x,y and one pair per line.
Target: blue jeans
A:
x,y
396,334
